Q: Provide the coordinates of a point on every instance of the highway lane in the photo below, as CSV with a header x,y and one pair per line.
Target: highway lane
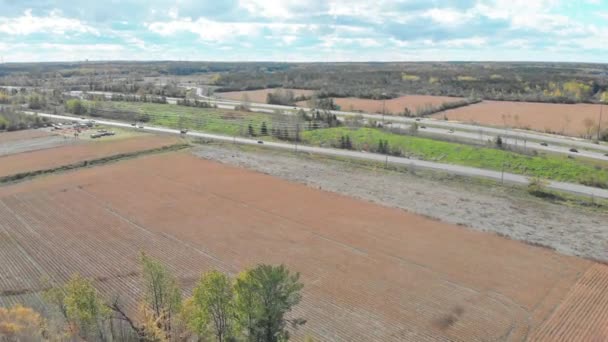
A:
x,y
412,163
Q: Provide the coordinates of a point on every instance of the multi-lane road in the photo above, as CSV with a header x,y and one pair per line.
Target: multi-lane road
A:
x,y
521,139
476,132
412,163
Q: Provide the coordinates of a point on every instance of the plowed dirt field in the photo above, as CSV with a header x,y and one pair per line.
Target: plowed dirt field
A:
x,y
393,106
260,95
64,155
371,273
568,119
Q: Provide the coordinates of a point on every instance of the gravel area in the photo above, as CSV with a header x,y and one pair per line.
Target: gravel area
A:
x,y
569,230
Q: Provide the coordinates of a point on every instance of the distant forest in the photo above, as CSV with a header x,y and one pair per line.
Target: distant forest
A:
x,y
538,82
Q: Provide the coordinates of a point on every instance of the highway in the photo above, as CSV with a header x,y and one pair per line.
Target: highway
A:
x,y
514,142
489,132
412,163
528,140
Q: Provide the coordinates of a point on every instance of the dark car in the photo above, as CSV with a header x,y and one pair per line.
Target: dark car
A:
x,y
573,150
183,131
544,144
260,142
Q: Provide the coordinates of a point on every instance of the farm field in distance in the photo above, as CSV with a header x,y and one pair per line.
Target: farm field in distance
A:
x,y
567,119
259,95
391,106
405,277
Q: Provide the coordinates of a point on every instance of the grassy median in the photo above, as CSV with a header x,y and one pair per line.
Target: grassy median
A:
x,y
213,120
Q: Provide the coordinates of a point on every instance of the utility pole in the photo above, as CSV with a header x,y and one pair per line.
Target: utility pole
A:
x,y
383,107
599,124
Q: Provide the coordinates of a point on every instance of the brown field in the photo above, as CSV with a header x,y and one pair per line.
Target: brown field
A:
x,y
259,96
6,137
545,117
371,273
393,106
578,317
64,155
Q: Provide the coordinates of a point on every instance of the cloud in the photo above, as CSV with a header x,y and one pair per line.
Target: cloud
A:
x,y
216,31
306,29
448,16
53,23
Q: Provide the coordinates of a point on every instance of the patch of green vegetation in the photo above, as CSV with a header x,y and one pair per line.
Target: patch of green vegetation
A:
x,y
213,120
553,167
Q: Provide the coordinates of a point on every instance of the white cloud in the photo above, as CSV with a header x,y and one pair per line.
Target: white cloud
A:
x,y
53,23
263,8
332,41
448,16
216,31
206,29
82,47
289,39
517,44
464,42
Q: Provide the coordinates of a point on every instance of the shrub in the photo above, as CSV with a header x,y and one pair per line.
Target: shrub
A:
x,y
498,142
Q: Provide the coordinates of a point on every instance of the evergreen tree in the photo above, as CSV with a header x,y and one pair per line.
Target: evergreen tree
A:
x,y
263,129
348,143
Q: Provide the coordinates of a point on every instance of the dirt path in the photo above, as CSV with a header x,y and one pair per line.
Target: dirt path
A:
x,y
571,231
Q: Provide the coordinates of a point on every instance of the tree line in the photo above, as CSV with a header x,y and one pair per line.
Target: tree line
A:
x,y
13,120
254,306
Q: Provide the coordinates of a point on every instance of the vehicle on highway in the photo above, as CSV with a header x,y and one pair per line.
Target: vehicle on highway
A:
x,y
140,126
133,124
422,126
183,131
260,142
417,119
451,131
544,144
573,150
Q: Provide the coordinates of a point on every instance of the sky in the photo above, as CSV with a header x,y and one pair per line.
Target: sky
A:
x,y
304,30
